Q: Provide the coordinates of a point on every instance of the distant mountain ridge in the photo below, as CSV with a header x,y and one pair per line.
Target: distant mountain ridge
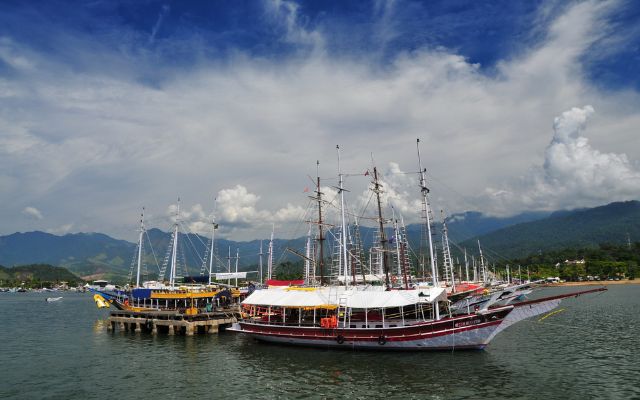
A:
x,y
82,253
93,255
612,223
463,226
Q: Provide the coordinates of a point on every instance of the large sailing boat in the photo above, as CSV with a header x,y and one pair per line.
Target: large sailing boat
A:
x,y
171,295
364,316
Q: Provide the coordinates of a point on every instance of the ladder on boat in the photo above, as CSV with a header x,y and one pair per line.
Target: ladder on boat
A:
x,y
342,311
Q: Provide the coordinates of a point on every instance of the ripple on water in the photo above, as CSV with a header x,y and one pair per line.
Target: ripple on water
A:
x,y
62,350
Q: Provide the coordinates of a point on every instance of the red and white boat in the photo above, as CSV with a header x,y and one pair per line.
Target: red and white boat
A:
x,y
355,313
338,317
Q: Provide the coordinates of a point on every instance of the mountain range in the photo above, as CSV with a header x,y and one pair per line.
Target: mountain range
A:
x,y
95,255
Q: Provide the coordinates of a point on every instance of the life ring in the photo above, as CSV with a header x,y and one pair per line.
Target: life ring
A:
x,y
382,340
340,339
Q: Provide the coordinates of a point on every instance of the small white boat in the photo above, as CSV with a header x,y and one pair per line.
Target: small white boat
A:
x,y
52,299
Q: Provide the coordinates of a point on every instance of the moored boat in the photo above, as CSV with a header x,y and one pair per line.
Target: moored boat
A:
x,y
379,320
192,295
350,313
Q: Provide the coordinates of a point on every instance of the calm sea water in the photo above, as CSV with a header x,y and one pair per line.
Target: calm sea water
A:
x,y
62,350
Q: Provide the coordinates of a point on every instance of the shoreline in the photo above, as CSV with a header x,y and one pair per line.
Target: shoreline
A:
x,y
596,283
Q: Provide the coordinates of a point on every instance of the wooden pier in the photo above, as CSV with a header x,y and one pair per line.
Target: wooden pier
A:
x,y
172,322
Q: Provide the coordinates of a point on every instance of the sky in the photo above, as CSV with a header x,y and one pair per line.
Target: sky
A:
x,y
110,106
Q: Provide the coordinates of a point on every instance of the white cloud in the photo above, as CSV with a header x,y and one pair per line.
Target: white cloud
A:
x,y
163,13
286,13
238,206
236,210
32,212
574,173
61,230
98,142
11,55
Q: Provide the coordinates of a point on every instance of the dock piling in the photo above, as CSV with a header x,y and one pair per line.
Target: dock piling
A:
x,y
176,323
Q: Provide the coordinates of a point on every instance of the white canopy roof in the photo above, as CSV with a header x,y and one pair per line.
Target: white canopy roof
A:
x,y
286,298
353,298
231,275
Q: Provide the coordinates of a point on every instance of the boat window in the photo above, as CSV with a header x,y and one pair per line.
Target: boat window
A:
x,y
378,326
352,326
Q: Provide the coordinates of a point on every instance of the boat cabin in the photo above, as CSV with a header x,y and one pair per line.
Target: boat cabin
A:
x,y
343,307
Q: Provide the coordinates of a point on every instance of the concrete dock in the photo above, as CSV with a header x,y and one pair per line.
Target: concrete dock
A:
x,y
172,322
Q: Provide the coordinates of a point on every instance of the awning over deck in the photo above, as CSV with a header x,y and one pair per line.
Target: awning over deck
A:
x,y
287,298
352,298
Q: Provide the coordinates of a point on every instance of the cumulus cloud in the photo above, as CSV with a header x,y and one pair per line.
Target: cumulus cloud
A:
x,y
32,212
574,173
238,206
100,140
236,209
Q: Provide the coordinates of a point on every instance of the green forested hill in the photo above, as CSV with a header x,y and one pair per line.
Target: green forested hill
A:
x,y
36,275
613,223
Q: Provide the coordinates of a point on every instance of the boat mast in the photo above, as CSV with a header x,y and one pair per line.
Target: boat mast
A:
x,y
229,265
482,266
260,262
427,215
140,247
307,260
446,252
358,250
377,189
466,264
519,275
270,254
213,236
344,229
174,255
396,237
475,268
404,249
320,230
237,259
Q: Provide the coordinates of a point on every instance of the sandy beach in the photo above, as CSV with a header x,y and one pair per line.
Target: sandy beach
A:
x,y
598,283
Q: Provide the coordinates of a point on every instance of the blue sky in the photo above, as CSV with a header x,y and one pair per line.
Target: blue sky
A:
x,y
175,35
108,106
